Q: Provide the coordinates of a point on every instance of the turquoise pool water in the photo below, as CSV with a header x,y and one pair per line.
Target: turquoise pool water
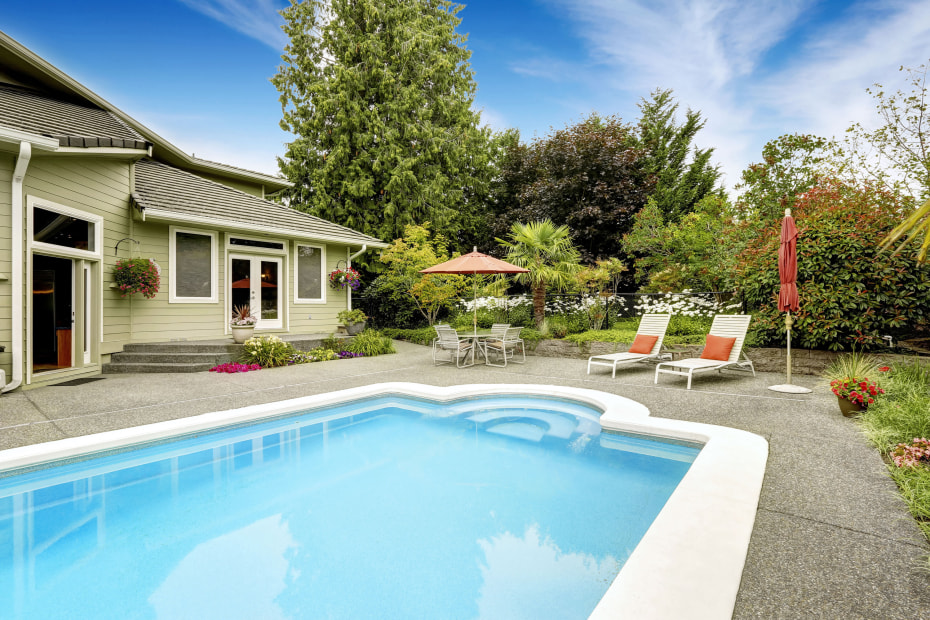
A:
x,y
394,507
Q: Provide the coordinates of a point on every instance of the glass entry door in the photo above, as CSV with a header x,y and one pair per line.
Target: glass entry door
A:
x,y
255,281
52,313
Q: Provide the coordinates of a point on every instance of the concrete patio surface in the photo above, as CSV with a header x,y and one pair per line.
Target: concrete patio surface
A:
x,y
832,539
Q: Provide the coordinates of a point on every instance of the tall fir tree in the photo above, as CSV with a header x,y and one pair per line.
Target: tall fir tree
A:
x,y
680,183
379,96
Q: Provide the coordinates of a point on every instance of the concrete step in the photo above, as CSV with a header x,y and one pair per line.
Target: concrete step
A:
x,y
132,357
183,347
150,368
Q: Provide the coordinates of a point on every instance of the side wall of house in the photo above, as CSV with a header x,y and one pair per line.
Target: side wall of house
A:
x,y
7,161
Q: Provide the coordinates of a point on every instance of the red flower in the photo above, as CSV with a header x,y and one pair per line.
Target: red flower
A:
x,y
884,368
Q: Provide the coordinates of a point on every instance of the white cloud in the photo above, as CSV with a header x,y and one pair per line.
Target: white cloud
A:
x,y
724,58
258,19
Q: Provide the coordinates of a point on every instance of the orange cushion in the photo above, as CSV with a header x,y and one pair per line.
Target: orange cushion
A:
x,y
643,343
717,348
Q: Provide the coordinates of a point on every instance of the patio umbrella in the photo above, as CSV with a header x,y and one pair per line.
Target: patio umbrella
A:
x,y
788,291
474,263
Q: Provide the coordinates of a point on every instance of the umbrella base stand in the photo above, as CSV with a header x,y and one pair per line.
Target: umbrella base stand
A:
x,y
788,388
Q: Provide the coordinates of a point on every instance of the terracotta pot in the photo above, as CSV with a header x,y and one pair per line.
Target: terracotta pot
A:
x,y
849,409
241,333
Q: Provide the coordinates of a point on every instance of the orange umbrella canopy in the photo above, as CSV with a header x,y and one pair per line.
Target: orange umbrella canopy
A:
x,y
475,262
788,266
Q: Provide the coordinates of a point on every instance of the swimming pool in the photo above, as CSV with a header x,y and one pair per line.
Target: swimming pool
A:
x,y
529,509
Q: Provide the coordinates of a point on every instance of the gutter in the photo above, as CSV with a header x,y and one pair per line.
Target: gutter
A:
x,y
349,263
17,220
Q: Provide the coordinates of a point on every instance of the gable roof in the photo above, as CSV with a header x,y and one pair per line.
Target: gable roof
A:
x,y
167,193
71,124
34,70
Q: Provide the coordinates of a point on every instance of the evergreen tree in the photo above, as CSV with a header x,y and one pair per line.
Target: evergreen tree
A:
x,y
680,184
379,95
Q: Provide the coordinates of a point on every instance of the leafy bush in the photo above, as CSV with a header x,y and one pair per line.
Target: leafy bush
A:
x,y
851,293
267,351
424,335
371,342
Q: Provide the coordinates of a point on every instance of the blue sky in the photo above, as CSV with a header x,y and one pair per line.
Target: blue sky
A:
x,y
197,71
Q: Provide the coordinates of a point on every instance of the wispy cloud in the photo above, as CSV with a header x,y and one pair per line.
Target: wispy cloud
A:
x,y
724,58
258,19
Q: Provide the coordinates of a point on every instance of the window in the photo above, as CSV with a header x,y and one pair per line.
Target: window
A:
x,y
256,243
193,266
310,260
57,229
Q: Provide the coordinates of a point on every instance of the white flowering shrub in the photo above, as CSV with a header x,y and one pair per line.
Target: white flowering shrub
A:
x,y
685,304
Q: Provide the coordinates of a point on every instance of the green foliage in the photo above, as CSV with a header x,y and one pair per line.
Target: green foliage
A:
x,y
267,351
332,343
791,165
379,96
687,254
371,342
680,184
851,295
900,416
548,252
424,335
855,365
351,317
405,258
589,176
557,326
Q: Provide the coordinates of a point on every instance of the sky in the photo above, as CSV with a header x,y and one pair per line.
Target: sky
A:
x,y
197,71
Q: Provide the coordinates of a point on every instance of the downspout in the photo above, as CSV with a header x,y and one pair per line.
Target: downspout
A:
x,y
16,258
349,263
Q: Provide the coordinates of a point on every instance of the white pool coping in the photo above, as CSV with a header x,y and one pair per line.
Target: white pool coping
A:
x,y
688,564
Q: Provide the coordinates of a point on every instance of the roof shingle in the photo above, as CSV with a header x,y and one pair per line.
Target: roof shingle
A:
x,y
163,188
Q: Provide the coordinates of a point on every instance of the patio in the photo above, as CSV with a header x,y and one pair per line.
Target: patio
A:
x,y
831,537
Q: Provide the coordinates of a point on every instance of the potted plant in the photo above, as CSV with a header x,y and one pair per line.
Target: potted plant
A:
x,y
354,320
137,275
849,378
242,324
342,278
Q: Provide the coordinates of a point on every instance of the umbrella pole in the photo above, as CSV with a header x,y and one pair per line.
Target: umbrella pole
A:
x,y
788,322
474,279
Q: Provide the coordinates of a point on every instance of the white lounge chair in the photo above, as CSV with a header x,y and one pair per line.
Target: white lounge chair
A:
x,y
460,349
724,326
649,325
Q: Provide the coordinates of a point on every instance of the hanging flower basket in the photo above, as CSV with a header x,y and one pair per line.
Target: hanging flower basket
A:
x,y
342,278
137,275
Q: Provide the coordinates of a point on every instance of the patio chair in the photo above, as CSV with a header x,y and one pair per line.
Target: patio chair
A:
x,y
722,350
506,347
460,349
498,331
647,345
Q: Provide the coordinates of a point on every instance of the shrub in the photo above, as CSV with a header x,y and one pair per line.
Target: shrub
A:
x,y
423,335
851,293
267,351
351,317
371,342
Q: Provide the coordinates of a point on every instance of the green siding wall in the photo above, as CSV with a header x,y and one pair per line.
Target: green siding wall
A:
x,y
7,161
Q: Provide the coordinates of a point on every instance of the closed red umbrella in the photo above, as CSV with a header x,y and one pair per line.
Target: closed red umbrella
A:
x,y
788,291
474,263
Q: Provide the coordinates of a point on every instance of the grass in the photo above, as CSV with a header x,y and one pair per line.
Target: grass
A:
x,y
900,416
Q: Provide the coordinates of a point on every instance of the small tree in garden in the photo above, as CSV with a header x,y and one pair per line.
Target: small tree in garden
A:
x,y
547,251
403,261
850,295
599,281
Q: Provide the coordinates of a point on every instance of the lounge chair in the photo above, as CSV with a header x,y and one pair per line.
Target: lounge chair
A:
x,y
506,347
726,330
460,349
651,325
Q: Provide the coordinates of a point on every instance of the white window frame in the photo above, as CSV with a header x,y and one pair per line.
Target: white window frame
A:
x,y
256,250
172,266
323,276
50,248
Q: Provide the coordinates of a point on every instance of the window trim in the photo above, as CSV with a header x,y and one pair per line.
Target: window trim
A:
x,y
309,300
172,266
255,250
50,248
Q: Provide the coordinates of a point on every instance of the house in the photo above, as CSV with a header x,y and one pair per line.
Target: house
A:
x,y
82,184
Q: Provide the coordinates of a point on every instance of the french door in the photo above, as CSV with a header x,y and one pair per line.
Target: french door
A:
x,y
256,282
53,311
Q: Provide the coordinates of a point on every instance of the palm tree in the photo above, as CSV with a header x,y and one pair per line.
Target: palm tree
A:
x,y
547,251
916,223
